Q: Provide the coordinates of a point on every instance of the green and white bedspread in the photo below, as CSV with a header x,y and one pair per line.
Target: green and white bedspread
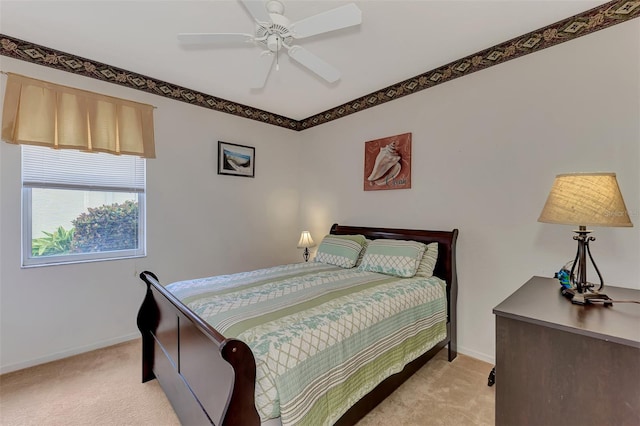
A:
x,y
322,336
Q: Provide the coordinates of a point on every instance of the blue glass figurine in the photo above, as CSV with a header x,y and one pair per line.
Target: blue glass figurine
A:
x,y
564,278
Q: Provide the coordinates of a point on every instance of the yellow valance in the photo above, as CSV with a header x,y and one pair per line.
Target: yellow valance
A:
x,y
37,112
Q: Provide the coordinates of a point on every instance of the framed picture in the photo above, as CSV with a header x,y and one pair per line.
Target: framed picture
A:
x,y
387,163
236,160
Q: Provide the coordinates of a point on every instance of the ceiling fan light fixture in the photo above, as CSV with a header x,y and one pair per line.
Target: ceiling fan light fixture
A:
x,y
274,42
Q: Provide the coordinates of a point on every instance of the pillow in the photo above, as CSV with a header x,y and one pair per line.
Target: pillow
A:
x,y
357,238
362,252
340,250
393,257
428,262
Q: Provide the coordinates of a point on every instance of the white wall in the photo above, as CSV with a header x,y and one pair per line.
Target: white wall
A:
x,y
198,224
486,149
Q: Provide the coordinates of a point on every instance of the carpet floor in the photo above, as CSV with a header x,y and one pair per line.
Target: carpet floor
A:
x,y
103,387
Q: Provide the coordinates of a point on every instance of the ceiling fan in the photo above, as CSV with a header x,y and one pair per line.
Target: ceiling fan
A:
x,y
275,32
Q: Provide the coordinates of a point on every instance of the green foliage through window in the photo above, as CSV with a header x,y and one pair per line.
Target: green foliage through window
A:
x,y
105,228
57,242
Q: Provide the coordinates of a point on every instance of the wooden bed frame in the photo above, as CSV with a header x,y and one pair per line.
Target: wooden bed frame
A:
x,y
210,379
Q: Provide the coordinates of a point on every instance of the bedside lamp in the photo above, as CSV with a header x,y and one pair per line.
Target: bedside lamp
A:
x,y
305,242
583,199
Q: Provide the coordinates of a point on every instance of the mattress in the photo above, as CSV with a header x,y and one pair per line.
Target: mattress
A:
x,y
322,336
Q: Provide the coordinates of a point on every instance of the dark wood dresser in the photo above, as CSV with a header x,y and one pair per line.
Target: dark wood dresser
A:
x,y
563,364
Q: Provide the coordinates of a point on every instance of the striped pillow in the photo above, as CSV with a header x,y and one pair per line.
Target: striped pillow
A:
x,y
428,262
339,250
393,257
362,252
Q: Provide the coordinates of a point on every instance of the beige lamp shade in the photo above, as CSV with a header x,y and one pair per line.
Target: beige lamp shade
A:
x,y
306,240
587,199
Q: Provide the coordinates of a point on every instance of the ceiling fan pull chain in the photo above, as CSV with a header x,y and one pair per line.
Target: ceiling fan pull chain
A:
x,y
277,53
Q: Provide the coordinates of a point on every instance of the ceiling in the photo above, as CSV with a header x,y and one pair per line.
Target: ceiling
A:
x,y
397,40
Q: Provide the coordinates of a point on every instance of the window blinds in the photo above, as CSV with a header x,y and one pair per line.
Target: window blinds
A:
x,y
69,169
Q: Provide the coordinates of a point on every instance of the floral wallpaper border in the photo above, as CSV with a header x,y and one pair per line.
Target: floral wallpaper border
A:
x,y
601,17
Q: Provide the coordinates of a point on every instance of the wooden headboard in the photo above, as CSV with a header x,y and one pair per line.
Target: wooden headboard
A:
x,y
446,265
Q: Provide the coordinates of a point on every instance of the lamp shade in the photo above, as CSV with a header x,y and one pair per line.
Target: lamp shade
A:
x,y
586,199
306,240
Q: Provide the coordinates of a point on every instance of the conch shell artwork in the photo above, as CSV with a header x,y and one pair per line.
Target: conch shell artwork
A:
x,y
388,163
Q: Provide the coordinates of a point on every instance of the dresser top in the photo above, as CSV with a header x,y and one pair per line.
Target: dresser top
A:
x,y
539,301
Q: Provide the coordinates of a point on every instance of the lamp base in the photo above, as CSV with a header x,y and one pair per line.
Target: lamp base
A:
x,y
586,298
578,273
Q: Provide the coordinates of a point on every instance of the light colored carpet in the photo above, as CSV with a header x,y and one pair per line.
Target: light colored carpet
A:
x,y
104,387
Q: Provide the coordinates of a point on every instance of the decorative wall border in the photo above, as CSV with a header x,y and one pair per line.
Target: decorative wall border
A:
x,y
604,16
598,18
41,55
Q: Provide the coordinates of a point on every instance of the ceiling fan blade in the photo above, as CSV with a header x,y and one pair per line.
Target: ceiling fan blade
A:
x,y
331,20
262,69
314,63
214,38
257,9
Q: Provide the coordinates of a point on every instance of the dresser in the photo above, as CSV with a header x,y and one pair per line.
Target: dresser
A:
x,y
563,364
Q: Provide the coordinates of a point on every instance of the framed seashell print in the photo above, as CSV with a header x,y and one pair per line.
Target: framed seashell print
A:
x,y
387,163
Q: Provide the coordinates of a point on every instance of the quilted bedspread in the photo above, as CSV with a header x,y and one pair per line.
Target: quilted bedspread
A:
x,y
322,336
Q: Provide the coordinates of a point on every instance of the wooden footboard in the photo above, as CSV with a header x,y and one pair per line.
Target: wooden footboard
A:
x,y
210,379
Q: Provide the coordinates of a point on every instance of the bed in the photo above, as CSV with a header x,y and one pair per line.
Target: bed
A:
x,y
211,378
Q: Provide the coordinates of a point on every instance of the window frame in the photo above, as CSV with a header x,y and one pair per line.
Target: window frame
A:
x,y
30,261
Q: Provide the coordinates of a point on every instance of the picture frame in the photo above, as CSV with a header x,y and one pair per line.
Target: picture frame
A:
x,y
387,163
236,160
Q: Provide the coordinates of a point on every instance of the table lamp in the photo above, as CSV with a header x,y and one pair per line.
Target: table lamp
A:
x,y
305,242
585,199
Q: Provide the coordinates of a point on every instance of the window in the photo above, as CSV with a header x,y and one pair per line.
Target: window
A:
x,y
80,206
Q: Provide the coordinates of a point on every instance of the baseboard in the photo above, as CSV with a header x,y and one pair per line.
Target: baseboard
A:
x,y
110,342
65,354
476,355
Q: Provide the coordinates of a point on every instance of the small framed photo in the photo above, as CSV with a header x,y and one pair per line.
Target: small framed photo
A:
x,y
236,160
